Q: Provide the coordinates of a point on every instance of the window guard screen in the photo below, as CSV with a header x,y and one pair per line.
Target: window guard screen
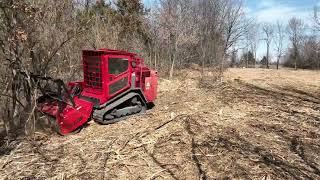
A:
x,y
93,72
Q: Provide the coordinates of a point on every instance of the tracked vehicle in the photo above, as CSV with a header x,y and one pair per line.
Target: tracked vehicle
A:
x,y
116,85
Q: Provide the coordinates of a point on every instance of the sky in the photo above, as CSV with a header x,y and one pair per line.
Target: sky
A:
x,y
271,11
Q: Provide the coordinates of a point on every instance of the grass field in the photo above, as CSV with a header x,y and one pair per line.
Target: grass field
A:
x,y
258,124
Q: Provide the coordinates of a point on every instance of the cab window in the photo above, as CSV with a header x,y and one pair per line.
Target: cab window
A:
x,y
117,65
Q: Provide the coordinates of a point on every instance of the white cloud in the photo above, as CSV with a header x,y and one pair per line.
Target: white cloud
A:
x,y
280,13
270,11
266,3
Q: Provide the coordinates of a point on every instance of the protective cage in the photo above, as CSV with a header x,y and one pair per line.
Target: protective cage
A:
x,y
92,66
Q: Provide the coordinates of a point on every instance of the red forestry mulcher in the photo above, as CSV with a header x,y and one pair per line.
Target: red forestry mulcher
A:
x,y
116,85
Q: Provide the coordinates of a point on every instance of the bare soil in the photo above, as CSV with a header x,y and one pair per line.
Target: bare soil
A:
x,y
258,124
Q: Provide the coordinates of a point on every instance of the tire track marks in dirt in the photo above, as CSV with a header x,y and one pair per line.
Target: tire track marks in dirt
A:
x,y
199,129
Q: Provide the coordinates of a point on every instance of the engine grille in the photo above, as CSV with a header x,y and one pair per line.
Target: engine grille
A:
x,y
93,72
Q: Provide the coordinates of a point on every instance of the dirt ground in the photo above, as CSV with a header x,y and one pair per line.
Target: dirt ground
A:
x,y
258,124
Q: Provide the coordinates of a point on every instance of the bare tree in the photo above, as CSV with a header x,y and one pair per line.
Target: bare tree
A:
x,y
175,30
210,31
268,30
316,18
309,54
34,40
253,38
279,39
201,32
236,26
295,30
316,24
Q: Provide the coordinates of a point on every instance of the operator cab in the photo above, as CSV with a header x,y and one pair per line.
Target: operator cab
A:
x,y
108,73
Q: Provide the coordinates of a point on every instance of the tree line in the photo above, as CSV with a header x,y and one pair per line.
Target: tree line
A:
x,y
294,44
45,37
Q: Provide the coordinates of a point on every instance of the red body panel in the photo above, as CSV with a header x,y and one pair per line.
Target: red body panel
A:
x,y
151,84
102,85
73,118
70,118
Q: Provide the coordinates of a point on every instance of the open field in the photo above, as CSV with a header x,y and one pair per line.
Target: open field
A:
x,y
257,124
